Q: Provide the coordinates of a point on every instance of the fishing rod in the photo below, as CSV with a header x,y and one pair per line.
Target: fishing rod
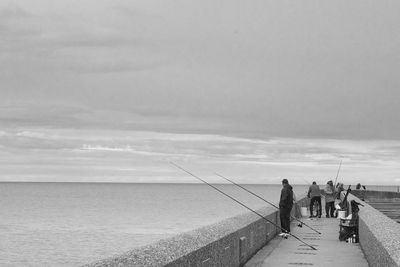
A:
x,y
237,201
337,175
254,194
307,182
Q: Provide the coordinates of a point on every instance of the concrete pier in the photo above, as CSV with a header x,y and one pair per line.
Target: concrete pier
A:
x,y
330,251
379,239
389,208
248,240
386,202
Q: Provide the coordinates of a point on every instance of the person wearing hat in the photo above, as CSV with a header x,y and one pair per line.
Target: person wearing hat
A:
x,y
329,199
285,207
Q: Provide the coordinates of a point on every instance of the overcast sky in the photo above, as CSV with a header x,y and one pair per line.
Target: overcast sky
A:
x,y
291,69
311,68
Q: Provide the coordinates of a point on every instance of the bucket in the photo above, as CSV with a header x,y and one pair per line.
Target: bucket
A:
x,y
303,211
341,214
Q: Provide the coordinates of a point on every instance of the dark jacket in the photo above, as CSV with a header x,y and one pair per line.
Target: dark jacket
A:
x,y
286,197
314,191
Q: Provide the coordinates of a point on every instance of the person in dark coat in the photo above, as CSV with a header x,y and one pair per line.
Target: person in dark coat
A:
x,y
314,193
285,206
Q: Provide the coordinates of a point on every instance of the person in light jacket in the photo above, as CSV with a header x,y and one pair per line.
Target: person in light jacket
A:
x,y
329,199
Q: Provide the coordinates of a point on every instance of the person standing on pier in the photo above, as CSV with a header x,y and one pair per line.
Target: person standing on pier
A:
x,y
339,190
329,199
285,206
314,193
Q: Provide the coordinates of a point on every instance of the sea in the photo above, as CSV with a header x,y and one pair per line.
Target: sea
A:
x,y
71,224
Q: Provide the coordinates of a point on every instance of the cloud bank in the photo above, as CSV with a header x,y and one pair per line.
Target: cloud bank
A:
x,y
137,156
264,68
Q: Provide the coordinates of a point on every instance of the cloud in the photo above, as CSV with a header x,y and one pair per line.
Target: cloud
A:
x,y
70,42
13,12
144,152
127,148
16,25
94,40
294,72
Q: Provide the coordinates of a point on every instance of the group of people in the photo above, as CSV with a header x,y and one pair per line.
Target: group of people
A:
x,y
331,193
314,193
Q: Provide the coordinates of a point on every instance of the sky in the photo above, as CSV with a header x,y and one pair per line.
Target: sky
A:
x,y
293,73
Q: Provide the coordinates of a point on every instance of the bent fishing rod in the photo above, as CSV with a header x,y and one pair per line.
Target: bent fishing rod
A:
x,y
337,175
237,201
254,194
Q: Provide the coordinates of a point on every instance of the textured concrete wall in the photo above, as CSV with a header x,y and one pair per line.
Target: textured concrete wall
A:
x,y
230,242
379,236
371,194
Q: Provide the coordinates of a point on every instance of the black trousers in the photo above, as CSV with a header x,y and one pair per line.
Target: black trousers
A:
x,y
318,199
330,208
284,215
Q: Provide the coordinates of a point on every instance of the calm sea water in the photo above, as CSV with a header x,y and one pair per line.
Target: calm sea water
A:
x,y
70,224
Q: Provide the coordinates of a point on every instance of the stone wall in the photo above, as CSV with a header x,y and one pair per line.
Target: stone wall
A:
x,y
231,242
379,236
371,194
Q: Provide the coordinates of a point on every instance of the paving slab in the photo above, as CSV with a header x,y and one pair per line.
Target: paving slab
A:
x,y
329,250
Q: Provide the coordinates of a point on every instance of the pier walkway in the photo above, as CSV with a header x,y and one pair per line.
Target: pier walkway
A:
x,y
390,208
330,251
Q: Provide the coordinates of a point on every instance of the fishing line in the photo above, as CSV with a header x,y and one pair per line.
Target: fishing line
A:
x,y
237,201
254,194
